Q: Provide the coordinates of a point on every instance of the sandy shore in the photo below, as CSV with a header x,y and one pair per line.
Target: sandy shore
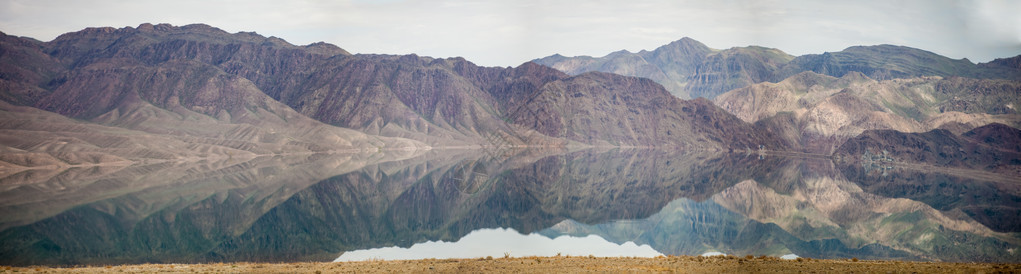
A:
x,y
560,264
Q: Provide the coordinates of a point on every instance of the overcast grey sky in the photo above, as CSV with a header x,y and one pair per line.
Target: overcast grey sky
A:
x,y
508,33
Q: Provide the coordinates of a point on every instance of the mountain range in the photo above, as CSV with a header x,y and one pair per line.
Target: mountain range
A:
x,y
125,129
103,96
209,93
690,69
816,102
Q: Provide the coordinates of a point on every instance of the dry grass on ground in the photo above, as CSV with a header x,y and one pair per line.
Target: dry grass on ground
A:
x,y
559,264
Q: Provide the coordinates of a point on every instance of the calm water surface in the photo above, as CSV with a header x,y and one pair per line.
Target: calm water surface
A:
x,y
472,203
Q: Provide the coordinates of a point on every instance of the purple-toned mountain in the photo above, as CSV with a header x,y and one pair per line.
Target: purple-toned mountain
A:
x,y
126,109
201,82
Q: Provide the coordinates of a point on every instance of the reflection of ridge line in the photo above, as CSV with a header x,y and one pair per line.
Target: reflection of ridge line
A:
x,y
463,189
498,144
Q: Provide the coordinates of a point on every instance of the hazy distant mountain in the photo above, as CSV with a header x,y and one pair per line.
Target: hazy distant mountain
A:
x,y
884,62
690,69
201,82
820,111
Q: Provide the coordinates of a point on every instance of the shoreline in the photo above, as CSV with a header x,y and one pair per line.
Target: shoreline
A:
x,y
719,264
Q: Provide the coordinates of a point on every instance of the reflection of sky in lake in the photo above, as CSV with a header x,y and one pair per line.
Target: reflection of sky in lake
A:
x,y
498,242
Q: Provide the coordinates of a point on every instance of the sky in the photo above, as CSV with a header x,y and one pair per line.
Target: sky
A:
x,y
511,32
496,242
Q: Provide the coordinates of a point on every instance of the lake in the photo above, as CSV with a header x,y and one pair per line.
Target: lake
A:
x,y
477,203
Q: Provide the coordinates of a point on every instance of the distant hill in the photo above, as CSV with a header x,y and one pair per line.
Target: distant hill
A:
x,y
885,62
689,69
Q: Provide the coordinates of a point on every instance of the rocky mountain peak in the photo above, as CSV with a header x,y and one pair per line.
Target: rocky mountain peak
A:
x,y
618,53
684,43
327,49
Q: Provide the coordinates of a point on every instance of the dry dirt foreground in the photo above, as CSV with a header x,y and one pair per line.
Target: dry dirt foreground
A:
x,y
559,264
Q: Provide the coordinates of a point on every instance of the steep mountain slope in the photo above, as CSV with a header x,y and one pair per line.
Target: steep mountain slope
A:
x,y
735,68
689,69
822,111
440,101
165,79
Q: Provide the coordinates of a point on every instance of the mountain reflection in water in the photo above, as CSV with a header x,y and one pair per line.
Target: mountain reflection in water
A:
x,y
318,207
